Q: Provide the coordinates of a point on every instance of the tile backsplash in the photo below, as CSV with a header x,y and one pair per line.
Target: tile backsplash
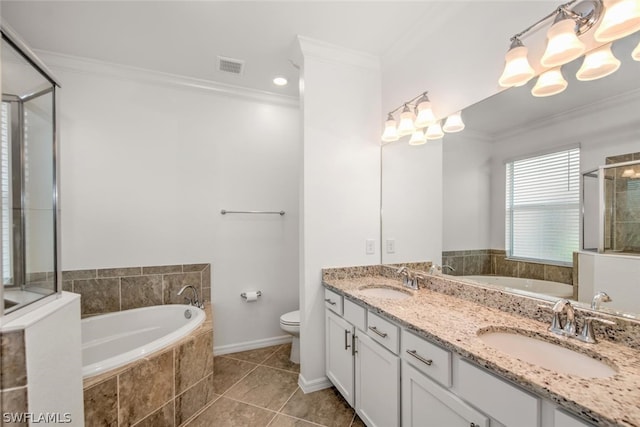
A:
x,y
13,375
114,289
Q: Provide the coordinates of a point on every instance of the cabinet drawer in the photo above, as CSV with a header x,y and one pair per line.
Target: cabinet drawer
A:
x,y
428,358
383,331
560,419
355,314
497,398
333,301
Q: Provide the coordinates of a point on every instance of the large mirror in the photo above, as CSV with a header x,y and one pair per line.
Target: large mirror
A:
x,y
599,118
27,178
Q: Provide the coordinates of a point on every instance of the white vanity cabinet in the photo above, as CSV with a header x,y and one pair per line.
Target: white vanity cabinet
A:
x,y
365,372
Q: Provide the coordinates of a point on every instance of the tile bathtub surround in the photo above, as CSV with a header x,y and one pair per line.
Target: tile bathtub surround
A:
x,y
13,374
454,321
113,289
494,261
165,388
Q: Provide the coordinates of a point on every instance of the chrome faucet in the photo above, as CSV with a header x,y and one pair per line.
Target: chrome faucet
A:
x,y
569,328
587,334
453,270
599,298
409,279
194,300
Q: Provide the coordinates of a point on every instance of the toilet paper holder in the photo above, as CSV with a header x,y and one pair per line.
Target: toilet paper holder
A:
x,y
244,294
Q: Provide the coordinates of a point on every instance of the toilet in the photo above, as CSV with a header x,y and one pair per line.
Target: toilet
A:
x,y
290,323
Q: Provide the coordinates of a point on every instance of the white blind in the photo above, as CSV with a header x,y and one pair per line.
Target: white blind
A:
x,y
5,195
542,207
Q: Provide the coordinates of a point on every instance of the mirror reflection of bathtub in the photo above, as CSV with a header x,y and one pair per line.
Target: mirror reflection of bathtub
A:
x,y
554,289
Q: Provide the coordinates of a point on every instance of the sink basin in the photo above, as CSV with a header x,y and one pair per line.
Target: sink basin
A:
x,y
546,354
384,292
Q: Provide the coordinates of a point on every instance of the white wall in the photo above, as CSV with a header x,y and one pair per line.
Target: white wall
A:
x,y
340,180
147,163
412,195
466,191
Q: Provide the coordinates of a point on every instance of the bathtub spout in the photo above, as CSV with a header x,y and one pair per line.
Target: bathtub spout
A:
x,y
194,300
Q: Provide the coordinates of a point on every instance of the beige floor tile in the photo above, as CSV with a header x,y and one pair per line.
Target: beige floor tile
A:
x,y
357,422
286,421
258,355
326,407
229,413
227,372
280,360
265,387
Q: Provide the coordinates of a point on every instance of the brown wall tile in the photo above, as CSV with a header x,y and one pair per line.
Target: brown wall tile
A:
x,y
141,291
14,401
79,274
557,273
206,277
101,404
477,264
120,272
162,417
457,262
67,285
193,268
162,269
194,361
529,270
172,283
98,295
146,386
505,267
194,399
12,360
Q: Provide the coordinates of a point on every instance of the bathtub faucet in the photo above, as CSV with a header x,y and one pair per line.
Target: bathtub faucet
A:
x,y
195,301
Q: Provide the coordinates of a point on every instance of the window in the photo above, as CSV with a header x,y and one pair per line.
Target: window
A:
x,y
542,207
5,195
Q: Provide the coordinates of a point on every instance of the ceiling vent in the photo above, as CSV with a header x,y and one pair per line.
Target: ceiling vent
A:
x,y
230,65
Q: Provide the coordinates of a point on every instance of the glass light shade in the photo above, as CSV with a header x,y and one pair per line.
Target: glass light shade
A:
x,y
628,173
517,70
434,131
621,18
598,63
453,123
636,53
390,133
417,138
425,115
549,83
563,44
406,126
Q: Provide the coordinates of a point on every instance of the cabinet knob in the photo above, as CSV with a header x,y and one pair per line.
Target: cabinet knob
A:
x,y
329,301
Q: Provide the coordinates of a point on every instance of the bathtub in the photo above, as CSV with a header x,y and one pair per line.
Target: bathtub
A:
x,y
115,339
555,289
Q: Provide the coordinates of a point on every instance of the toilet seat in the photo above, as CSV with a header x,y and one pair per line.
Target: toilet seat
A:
x,y
290,319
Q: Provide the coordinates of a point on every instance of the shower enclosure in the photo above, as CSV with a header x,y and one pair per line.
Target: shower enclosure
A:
x,y
29,231
611,208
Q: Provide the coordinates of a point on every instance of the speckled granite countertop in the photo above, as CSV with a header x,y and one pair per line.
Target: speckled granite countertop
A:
x,y
454,324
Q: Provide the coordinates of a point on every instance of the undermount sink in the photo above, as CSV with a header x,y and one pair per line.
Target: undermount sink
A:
x,y
546,354
384,292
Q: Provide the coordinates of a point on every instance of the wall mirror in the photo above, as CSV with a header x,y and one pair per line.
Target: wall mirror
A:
x,y
27,177
599,117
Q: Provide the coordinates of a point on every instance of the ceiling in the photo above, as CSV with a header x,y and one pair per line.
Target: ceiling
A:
x,y
185,37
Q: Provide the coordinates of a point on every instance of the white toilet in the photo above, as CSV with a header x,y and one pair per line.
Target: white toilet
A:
x,y
290,323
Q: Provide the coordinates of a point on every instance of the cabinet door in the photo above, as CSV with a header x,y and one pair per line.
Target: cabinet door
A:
x,y
377,383
426,404
339,356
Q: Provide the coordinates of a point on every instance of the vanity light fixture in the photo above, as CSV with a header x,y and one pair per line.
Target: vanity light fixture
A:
x,y
390,131
434,131
628,173
417,138
406,126
551,82
636,53
621,18
280,81
563,45
598,63
425,113
517,70
453,123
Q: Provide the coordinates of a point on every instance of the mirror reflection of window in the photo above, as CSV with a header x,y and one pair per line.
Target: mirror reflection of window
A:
x,y
5,197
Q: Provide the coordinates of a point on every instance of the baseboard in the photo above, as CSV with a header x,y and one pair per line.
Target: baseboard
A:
x,y
251,345
313,385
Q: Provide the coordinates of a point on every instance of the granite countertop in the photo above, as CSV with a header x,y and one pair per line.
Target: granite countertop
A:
x,y
454,324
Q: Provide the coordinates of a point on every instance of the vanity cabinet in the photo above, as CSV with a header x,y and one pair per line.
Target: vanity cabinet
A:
x,y
339,365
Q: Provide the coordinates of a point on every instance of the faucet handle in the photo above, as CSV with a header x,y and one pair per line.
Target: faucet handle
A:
x,y
587,335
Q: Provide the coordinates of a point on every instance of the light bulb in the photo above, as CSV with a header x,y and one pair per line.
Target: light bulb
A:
x,y
454,123
621,18
563,44
425,113
434,131
517,70
636,53
417,138
406,126
549,83
628,173
598,63
390,132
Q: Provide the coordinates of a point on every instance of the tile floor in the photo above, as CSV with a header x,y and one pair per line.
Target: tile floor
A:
x,y
259,388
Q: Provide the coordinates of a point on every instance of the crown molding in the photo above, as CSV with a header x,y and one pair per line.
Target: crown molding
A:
x,y
82,65
337,54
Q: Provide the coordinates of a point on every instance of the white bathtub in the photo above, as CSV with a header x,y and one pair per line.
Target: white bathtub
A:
x,y
555,289
115,339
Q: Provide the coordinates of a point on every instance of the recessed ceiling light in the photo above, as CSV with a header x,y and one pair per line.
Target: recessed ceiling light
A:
x,y
280,81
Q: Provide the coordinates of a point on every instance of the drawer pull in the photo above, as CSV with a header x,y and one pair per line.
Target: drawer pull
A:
x,y
415,354
346,339
374,329
329,301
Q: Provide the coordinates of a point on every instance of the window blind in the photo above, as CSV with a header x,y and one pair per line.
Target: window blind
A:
x,y
5,195
542,207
